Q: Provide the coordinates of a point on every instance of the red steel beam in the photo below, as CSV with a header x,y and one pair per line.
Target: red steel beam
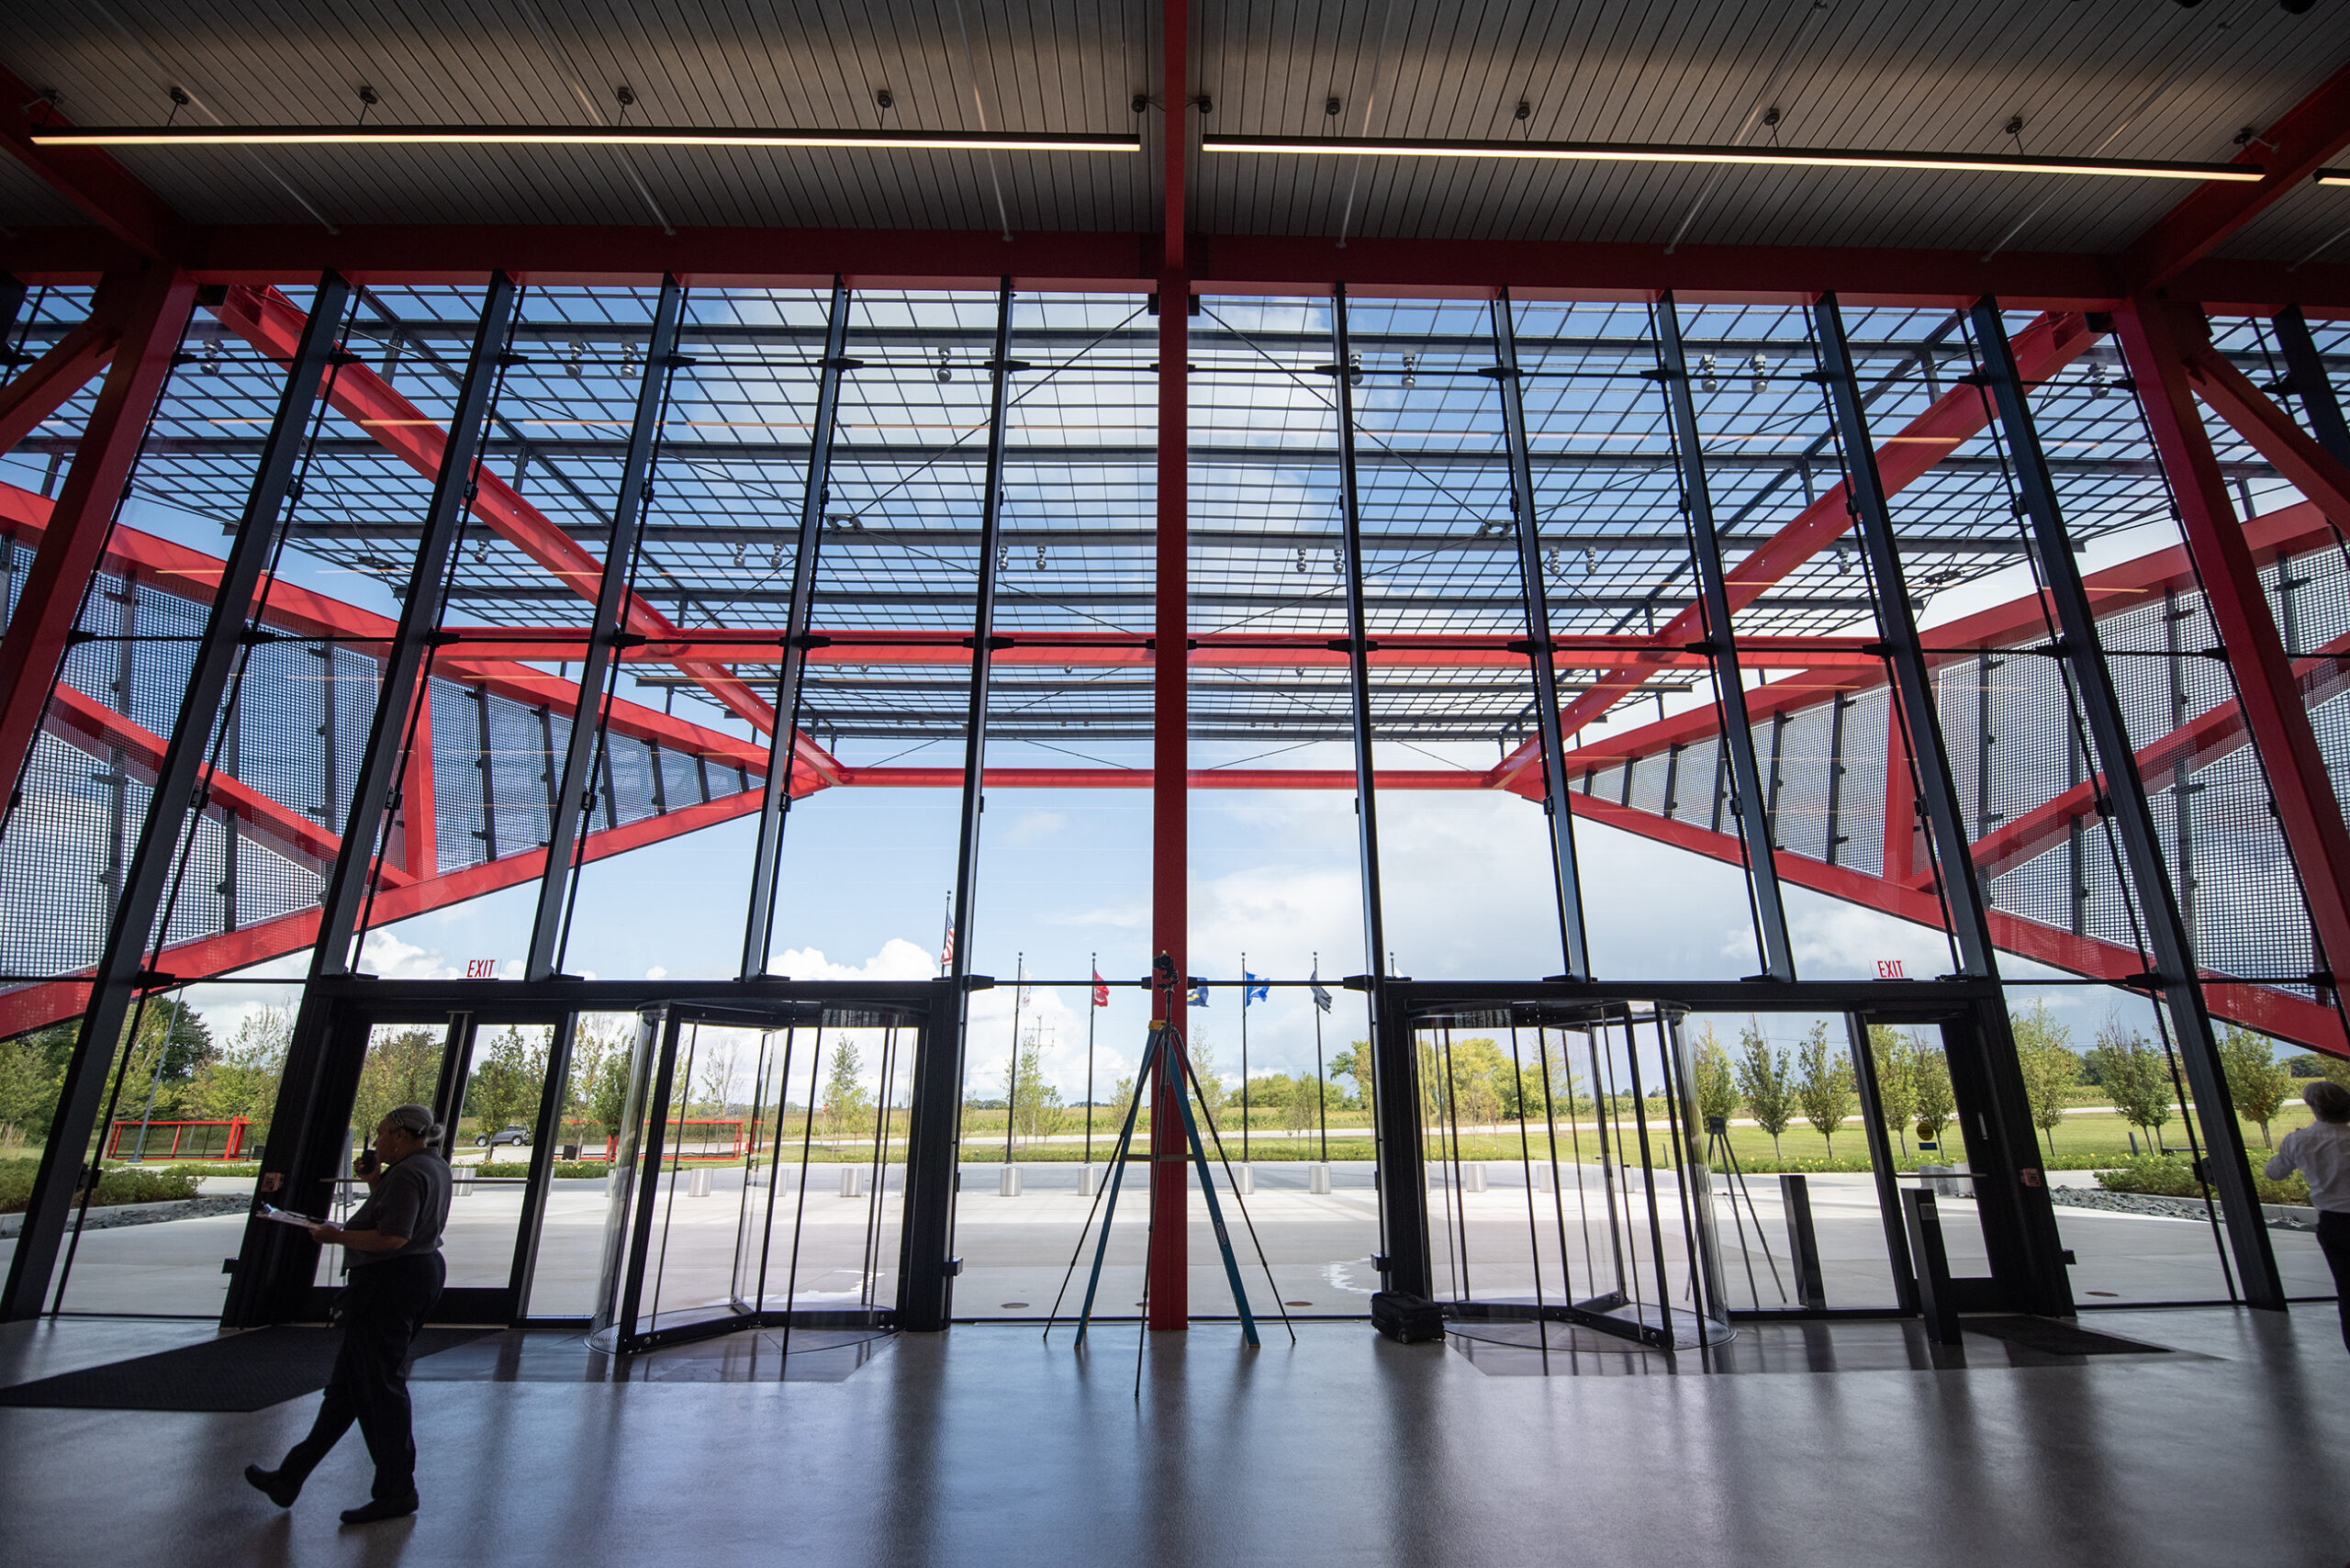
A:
x,y
1954,418
1147,779
1168,1271
298,610
33,648
2308,809
2197,744
2265,428
2273,1012
35,1006
103,190
273,324
51,380
91,727
2291,150
1133,650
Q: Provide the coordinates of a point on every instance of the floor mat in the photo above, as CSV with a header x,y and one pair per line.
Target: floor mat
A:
x,y
2055,1337
235,1372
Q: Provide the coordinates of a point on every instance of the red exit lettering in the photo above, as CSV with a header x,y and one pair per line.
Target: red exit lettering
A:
x,y
1890,968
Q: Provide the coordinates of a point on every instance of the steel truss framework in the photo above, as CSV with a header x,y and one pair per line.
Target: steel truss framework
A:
x,y
1484,493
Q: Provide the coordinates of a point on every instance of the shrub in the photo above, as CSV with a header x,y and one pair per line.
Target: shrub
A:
x,y
138,1184
562,1167
2173,1176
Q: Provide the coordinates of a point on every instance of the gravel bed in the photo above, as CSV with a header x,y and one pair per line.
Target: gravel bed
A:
x,y
2279,1216
116,1216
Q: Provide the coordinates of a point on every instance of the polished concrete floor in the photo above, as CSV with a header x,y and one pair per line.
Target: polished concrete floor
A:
x,y
984,1446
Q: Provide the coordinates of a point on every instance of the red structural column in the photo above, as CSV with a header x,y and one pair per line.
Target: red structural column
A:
x,y
1170,1261
34,646
419,845
2306,807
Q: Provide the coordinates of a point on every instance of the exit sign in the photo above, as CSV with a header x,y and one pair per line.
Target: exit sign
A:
x,y
1890,968
487,968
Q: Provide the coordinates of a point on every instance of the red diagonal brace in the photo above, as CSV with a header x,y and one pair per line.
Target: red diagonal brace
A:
x,y
33,648
2267,429
103,190
2308,135
272,323
2308,809
50,381
1955,418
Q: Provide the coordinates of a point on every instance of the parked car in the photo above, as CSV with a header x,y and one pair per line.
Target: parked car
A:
x,y
509,1133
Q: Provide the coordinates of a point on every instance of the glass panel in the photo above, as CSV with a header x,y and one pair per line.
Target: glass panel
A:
x,y
402,1067
571,1225
1778,1096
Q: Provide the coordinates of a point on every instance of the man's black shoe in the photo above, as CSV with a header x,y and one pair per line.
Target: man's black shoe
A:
x,y
276,1486
381,1509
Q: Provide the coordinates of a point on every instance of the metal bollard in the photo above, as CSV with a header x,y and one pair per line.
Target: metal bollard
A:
x,y
1317,1180
1472,1178
698,1183
1545,1179
1008,1183
852,1180
1088,1179
1244,1179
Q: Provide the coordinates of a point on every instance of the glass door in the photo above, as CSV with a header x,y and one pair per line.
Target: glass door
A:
x,y
757,1175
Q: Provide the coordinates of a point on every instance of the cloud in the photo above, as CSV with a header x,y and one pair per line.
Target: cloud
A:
x,y
1035,827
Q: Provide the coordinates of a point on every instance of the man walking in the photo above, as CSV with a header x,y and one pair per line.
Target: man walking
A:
x,y
395,1275
2320,1152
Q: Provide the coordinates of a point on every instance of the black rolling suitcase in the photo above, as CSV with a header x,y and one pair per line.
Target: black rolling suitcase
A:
x,y
1407,1320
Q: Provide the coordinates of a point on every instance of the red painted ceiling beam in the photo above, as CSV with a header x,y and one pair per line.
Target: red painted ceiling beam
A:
x,y
2310,135
1210,650
105,192
1954,418
273,324
1144,777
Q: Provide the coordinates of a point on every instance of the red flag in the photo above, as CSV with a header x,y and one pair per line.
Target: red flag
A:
x,y
1100,990
946,956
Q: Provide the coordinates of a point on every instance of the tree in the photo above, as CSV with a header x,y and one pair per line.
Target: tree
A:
x,y
401,1068
506,1083
1717,1081
1825,1088
1202,1052
2045,1051
2135,1079
2257,1083
604,1087
1936,1102
1763,1083
1478,1069
1355,1062
845,1101
1303,1110
241,1081
171,1046
32,1070
1895,1055
1035,1100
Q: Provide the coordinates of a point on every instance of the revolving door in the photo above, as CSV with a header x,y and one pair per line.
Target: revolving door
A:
x,y
758,1173
1565,1178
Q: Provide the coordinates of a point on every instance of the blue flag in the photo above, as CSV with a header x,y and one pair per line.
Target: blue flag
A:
x,y
1198,996
1321,997
1254,990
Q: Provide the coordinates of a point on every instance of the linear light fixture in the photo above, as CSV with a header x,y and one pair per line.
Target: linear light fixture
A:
x,y
1785,157
2332,176
572,136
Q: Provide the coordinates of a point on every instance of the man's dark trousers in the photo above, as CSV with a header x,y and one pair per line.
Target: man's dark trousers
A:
x,y
383,1306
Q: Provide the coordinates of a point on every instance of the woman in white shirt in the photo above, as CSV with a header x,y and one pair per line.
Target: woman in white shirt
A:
x,y
2320,1152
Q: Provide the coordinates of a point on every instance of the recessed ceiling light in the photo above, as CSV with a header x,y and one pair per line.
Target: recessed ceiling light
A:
x,y
573,136
1784,157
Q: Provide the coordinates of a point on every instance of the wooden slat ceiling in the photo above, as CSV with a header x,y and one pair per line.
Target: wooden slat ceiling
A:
x,y
2129,78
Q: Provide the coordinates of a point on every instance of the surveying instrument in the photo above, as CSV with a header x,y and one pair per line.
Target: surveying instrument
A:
x,y
1165,1063
1720,1155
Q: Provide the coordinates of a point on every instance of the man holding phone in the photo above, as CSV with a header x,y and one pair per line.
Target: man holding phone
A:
x,y
395,1273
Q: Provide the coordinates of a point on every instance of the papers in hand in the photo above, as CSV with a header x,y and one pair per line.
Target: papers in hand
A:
x,y
271,1212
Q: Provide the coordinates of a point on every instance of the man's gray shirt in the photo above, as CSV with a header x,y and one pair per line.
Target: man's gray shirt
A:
x,y
411,1199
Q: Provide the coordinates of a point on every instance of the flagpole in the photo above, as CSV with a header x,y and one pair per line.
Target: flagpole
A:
x,y
1012,1080
1244,1059
1092,971
946,936
1321,1085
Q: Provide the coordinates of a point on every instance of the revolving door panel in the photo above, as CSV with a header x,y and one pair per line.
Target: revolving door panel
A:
x,y
1565,1183
759,1176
